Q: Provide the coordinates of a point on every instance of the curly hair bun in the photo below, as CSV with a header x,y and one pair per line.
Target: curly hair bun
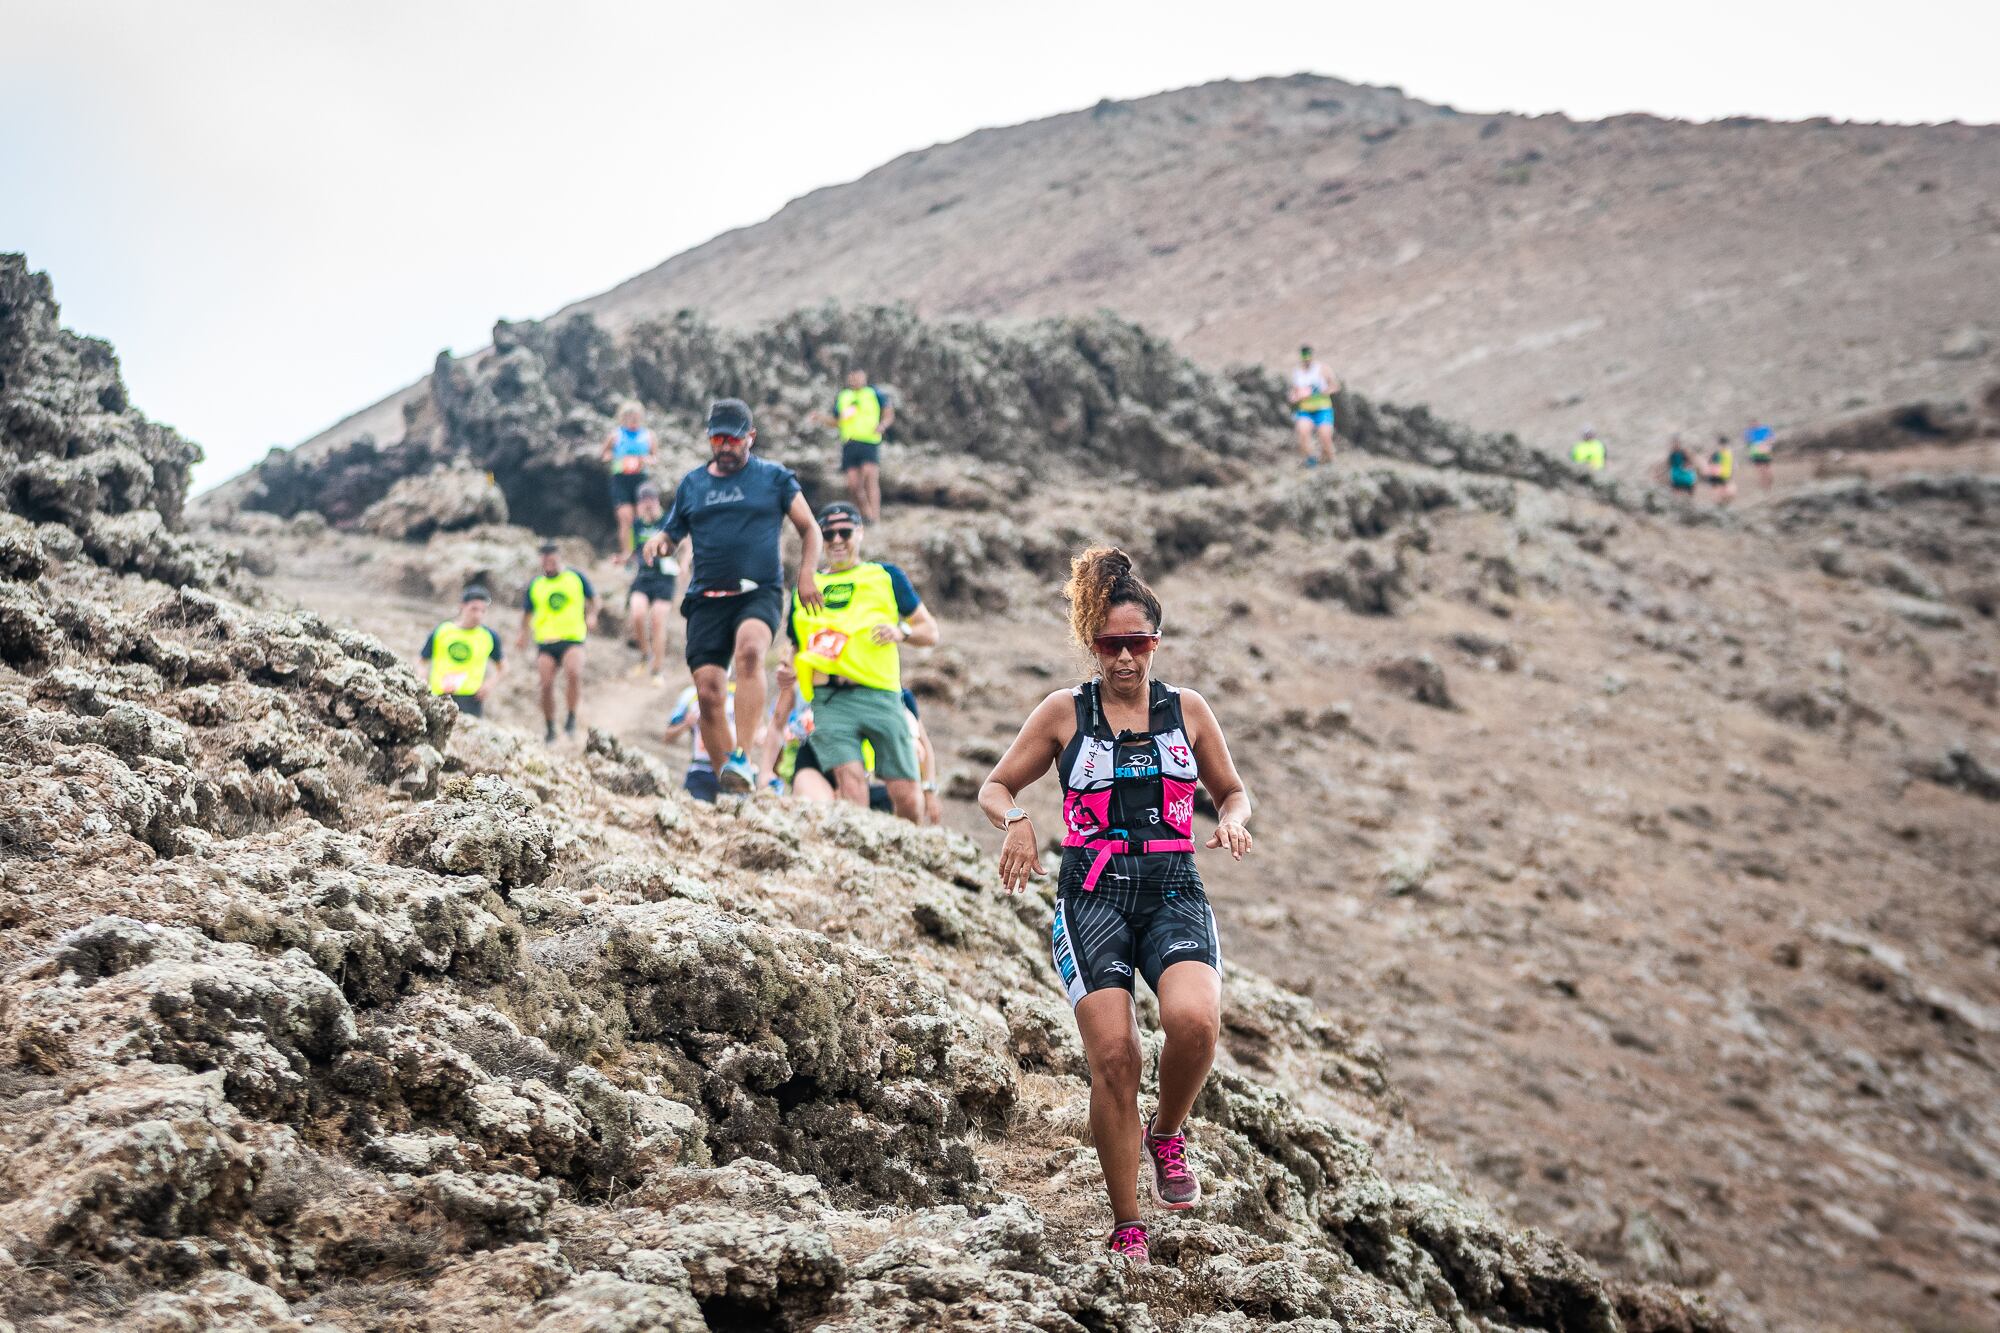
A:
x,y
1100,579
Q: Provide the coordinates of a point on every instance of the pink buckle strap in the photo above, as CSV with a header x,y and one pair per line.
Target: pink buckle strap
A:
x,y
1106,848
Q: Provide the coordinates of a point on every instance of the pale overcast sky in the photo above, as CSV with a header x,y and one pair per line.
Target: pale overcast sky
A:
x,y
280,211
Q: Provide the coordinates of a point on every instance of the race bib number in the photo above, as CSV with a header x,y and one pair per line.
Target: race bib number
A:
x,y
630,463
827,643
452,681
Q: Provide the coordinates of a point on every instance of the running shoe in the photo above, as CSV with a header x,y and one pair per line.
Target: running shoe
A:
x,y
1312,462
738,774
569,725
1174,1185
1128,1241
549,736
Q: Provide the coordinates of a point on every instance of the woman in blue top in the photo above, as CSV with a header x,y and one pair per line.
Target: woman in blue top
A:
x,y
628,449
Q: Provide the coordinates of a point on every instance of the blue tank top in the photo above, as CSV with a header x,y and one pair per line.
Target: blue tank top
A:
x,y
632,443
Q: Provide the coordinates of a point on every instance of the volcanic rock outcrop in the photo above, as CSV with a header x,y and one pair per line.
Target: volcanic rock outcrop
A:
x,y
323,1005
981,414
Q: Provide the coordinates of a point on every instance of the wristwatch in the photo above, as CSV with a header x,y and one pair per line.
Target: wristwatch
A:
x,y
930,786
903,628
1013,817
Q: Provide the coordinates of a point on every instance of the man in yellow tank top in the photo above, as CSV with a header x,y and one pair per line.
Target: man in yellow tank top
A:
x,y
464,654
558,611
849,665
863,415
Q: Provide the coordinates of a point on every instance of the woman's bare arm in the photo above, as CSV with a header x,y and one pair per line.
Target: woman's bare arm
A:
x,y
1034,749
1218,774
1027,759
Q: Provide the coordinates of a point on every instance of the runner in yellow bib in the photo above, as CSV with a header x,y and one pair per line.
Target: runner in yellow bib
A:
x,y
464,654
863,415
558,610
849,665
1588,451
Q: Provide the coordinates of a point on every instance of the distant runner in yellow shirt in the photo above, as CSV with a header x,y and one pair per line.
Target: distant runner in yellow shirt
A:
x,y
464,654
863,415
1588,451
558,611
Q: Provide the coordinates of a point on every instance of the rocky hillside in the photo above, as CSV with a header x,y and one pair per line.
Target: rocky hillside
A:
x,y
983,414
1534,274
1653,844
320,1005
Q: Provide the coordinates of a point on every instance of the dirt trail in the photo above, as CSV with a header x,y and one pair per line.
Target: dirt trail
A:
x,y
1620,927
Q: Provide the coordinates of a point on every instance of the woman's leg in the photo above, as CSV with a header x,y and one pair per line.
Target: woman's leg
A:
x,y
623,515
1304,426
1110,1032
1190,1017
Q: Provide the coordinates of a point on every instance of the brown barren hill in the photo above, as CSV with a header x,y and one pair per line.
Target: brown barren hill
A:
x,y
1535,274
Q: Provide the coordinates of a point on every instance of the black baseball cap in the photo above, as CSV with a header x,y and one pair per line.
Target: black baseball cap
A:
x,y
476,593
842,509
1305,351
549,548
728,416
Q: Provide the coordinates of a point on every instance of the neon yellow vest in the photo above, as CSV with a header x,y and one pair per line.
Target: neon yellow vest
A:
x,y
459,657
835,641
558,603
1589,452
860,413
1725,463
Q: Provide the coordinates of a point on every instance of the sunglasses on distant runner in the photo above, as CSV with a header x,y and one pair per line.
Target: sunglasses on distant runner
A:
x,y
836,534
1112,644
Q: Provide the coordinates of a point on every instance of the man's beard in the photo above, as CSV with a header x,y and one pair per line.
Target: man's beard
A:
x,y
729,464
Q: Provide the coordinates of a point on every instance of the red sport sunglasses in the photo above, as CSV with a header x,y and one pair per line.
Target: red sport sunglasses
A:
x,y
1113,644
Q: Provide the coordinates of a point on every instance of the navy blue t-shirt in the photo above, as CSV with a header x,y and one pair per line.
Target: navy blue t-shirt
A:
x,y
735,522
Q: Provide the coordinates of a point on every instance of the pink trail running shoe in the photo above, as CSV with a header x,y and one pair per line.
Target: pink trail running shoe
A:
x,y
1174,1185
1128,1239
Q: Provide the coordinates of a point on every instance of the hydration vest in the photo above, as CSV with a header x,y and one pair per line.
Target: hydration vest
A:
x,y
835,641
1132,793
859,412
558,608
459,657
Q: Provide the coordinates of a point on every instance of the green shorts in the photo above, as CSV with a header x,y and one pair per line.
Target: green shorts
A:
x,y
843,718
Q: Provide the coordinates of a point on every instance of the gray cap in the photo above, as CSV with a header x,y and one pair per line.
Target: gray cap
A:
x,y
476,593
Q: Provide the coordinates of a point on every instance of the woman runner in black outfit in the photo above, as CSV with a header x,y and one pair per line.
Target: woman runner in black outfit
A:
x,y
1128,752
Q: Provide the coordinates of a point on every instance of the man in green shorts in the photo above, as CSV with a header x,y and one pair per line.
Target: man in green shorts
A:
x,y
850,665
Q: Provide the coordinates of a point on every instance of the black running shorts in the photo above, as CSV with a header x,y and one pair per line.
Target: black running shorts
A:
x,y
712,622
1146,914
853,453
656,587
